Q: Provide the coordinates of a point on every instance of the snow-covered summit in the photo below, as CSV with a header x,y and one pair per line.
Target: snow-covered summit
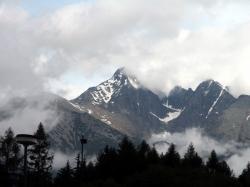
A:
x,y
110,88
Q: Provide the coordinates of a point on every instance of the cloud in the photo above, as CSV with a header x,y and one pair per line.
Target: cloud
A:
x,y
24,114
235,154
60,160
177,42
165,43
239,160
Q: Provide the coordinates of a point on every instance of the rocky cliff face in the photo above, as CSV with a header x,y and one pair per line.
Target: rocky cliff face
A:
x,y
125,105
121,106
203,107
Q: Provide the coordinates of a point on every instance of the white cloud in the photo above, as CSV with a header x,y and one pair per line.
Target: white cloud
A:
x,y
165,42
177,42
236,155
24,115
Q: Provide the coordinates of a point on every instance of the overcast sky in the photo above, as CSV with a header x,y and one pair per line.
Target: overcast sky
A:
x,y
67,46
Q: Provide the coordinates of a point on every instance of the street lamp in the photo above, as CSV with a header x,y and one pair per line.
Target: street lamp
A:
x,y
26,140
83,141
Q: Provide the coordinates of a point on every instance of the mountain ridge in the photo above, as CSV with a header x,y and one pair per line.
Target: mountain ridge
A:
x,y
122,106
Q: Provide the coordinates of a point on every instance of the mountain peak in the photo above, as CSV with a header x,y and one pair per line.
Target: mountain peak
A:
x,y
208,85
126,78
119,73
104,92
177,90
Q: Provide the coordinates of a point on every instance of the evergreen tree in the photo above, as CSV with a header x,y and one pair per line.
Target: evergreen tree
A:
x,y
244,178
107,162
79,170
78,163
191,158
172,157
40,158
153,156
213,162
143,150
127,154
10,151
214,165
225,169
64,176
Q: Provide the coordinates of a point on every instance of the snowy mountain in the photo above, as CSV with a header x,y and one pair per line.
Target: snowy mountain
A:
x,y
204,106
109,89
122,106
125,105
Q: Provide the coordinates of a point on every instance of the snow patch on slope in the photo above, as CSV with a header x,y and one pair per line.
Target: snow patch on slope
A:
x,y
81,108
248,117
170,106
105,120
215,102
169,117
106,90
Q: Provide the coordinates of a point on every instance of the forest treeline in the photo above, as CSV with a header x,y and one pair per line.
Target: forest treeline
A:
x,y
128,165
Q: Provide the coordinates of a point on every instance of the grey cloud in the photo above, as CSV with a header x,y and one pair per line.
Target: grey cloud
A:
x,y
236,155
24,114
60,159
95,37
165,42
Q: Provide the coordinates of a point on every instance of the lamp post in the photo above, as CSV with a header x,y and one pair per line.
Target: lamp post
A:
x,y
83,141
26,140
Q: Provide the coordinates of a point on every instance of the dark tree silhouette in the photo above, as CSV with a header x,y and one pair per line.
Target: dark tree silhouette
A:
x,y
213,162
153,157
105,159
127,160
244,178
143,152
64,176
40,159
172,157
128,166
225,169
10,151
10,159
215,166
191,157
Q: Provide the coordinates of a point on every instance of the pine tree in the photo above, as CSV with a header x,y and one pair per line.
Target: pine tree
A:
x,y
40,159
143,150
127,156
79,170
244,178
225,169
78,163
172,157
107,162
212,163
153,156
191,157
64,176
10,151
